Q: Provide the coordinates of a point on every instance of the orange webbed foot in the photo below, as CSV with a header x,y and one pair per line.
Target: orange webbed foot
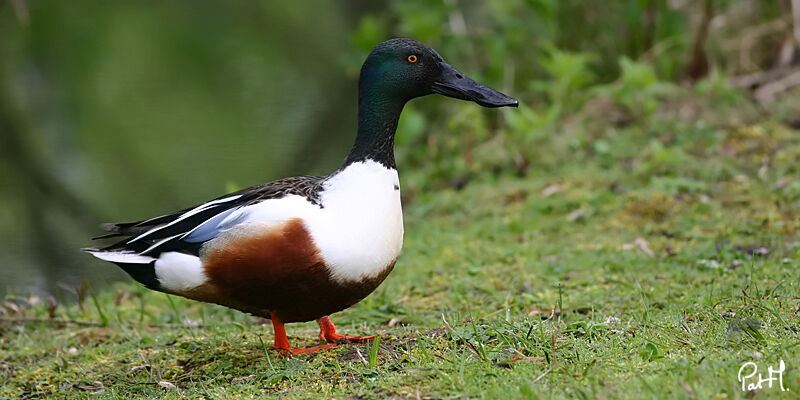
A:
x,y
282,345
327,332
336,337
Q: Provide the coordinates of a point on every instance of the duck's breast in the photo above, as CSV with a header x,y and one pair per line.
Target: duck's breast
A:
x,y
359,231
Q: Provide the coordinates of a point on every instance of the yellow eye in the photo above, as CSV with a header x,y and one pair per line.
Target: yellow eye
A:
x,y
412,58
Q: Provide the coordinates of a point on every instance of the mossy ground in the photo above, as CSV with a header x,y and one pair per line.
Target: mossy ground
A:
x,y
649,260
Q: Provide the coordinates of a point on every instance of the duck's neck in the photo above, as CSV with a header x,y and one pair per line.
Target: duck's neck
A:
x,y
377,122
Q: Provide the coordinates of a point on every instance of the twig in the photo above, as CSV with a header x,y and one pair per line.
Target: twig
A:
x,y
796,20
698,66
695,315
552,314
361,356
89,323
474,350
766,94
136,383
761,77
746,40
21,11
446,324
50,320
36,394
543,374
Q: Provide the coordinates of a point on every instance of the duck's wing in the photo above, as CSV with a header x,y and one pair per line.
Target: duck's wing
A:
x,y
185,231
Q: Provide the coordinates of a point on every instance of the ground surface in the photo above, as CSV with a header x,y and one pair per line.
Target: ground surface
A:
x,y
650,260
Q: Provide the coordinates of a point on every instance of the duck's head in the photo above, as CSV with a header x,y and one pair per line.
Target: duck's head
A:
x,y
403,69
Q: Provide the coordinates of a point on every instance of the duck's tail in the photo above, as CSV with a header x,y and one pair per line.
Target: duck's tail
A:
x,y
139,267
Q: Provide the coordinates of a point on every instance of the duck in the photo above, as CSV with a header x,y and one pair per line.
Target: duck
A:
x,y
301,248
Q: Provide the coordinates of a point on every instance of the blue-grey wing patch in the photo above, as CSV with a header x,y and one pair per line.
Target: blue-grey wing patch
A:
x,y
210,228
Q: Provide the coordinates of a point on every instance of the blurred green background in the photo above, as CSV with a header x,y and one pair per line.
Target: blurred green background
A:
x,y
114,111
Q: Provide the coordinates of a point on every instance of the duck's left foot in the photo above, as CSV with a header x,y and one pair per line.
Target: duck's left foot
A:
x,y
327,332
282,345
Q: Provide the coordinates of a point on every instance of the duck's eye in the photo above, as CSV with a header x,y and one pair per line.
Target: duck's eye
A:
x,y
412,58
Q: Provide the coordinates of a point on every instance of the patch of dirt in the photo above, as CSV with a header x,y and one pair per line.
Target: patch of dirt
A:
x,y
656,208
94,335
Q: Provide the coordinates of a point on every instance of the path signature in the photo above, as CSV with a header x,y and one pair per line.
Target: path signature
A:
x,y
750,369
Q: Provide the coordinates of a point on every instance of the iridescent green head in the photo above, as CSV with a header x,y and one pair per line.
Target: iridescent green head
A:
x,y
403,69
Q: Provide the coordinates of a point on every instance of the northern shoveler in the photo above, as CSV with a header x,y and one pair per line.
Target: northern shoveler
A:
x,y
299,249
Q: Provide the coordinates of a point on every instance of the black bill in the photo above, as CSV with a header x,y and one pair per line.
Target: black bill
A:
x,y
455,84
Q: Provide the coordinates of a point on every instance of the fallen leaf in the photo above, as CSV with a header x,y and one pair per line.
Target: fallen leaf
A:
x,y
780,183
713,264
13,308
576,215
96,387
81,291
137,368
551,190
754,250
687,389
51,307
642,245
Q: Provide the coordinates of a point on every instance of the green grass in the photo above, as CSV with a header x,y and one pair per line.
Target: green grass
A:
x,y
619,267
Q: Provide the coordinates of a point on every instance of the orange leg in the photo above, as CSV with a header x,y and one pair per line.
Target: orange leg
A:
x,y
327,332
282,342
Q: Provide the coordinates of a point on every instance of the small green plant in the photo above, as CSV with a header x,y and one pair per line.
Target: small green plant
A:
x,y
638,88
568,75
373,353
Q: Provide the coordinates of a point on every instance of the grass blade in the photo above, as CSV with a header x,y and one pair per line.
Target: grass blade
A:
x,y
373,353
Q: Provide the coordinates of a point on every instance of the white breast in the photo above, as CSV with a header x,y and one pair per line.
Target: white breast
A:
x,y
359,230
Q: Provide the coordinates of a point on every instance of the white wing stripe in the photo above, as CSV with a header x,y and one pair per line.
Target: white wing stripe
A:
x,y
188,214
126,257
159,243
